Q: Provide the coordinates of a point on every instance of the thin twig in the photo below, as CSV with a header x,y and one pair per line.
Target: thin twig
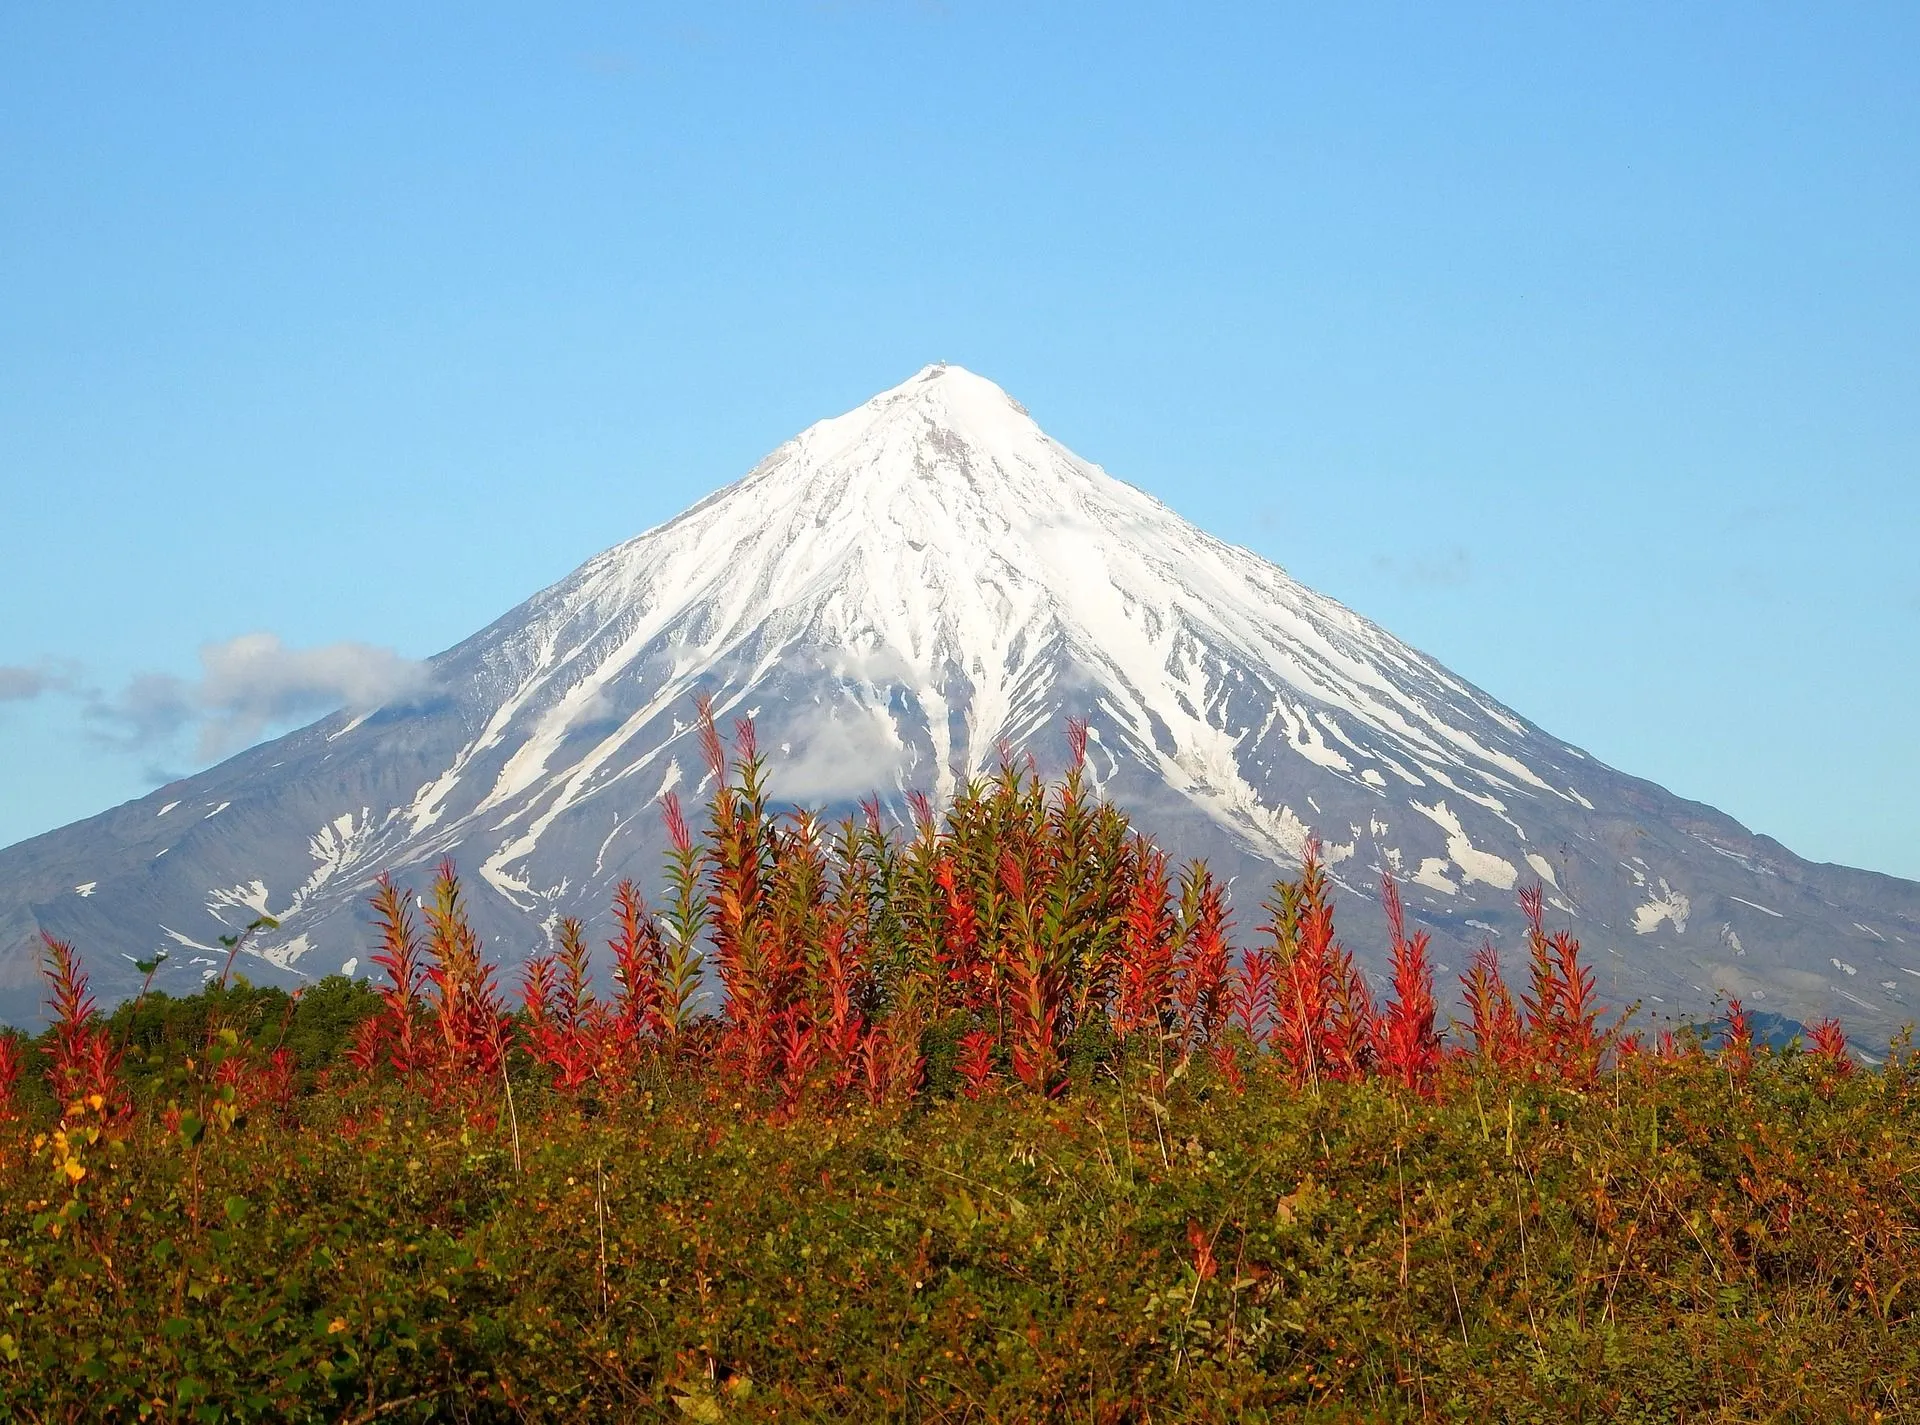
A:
x,y
513,1116
600,1215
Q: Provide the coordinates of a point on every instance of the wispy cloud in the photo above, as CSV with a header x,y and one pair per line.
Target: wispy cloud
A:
x,y
608,64
248,684
1446,569
20,684
844,757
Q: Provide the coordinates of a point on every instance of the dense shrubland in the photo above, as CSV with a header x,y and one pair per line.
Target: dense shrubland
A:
x,y
989,1118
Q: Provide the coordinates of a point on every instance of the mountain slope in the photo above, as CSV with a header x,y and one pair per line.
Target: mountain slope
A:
x,y
894,594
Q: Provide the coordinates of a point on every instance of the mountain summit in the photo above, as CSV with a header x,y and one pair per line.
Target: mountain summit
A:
x,y
894,595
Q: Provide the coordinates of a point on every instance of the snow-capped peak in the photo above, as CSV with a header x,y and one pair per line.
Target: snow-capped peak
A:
x,y
936,539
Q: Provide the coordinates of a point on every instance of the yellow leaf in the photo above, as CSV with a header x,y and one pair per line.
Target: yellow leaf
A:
x,y
703,1408
96,1102
74,1170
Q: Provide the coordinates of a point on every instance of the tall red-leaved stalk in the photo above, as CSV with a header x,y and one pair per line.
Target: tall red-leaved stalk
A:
x,y
1409,1042
1828,1041
1736,1048
467,1009
1493,1023
83,1062
398,1028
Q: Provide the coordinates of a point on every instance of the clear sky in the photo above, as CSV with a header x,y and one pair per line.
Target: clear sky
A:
x,y
1574,344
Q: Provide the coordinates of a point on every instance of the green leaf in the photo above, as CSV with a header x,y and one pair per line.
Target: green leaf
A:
x,y
236,1210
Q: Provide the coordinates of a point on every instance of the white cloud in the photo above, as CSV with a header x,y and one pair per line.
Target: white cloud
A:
x,y
253,682
846,757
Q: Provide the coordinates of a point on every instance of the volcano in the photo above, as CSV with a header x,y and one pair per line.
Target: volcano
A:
x,y
897,596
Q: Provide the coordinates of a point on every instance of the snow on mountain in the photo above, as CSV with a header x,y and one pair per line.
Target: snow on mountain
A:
x,y
895,594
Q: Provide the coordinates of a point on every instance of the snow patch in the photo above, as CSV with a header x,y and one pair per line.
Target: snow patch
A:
x,y
494,871
1433,875
216,811
333,847
1843,966
167,808
248,895
355,722
1474,864
1542,868
85,888
1305,738
1286,828
284,953
1669,905
1755,905
600,856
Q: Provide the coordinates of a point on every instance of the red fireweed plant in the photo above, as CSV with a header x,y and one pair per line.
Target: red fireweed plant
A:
x,y
1736,1047
399,1028
83,1062
1493,1024
1409,1043
1829,1042
1020,937
1203,963
467,1008
10,1066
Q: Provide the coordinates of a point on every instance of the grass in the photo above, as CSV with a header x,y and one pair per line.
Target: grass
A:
x,y
1681,1244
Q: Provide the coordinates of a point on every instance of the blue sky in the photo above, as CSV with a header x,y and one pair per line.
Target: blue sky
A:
x,y
1575,345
